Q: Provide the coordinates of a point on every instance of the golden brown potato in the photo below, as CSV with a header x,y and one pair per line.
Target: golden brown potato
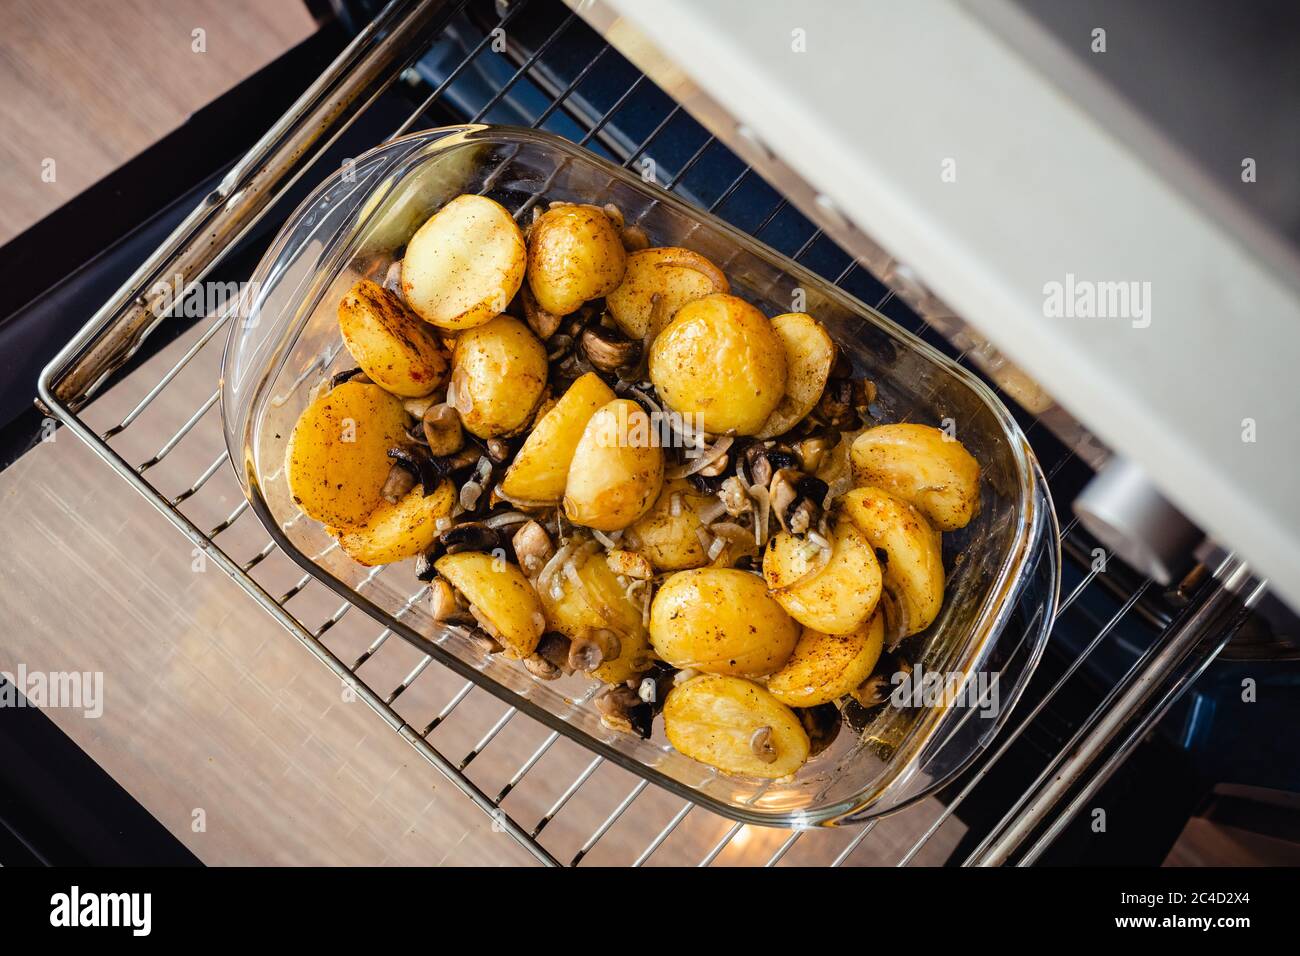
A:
x,y
336,461
465,264
719,358
809,355
574,254
720,621
909,553
498,377
539,471
921,465
501,596
735,725
400,530
394,348
669,535
656,284
825,667
834,594
598,599
617,468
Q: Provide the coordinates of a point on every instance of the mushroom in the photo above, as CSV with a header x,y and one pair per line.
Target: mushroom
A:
x,y
532,547
393,278
441,427
348,375
609,350
484,642
542,323
836,403
811,452
541,668
762,461
554,648
470,536
400,480
797,500
416,407
417,460
444,606
821,724
621,709
734,497
762,745
498,450
593,647
716,467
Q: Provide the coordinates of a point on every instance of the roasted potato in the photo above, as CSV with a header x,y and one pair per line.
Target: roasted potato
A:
x,y
720,621
719,358
539,471
501,597
400,530
921,465
592,596
336,461
735,725
809,355
669,534
909,554
465,264
574,254
395,349
617,468
836,593
656,284
825,667
498,377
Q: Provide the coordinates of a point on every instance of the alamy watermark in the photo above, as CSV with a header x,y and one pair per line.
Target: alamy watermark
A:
x,y
75,690
200,299
637,428
1077,298
921,688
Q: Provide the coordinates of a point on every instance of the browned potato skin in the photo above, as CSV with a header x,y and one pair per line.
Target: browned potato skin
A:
x,y
395,349
617,468
922,465
334,480
825,667
671,543
719,358
908,549
399,530
714,718
499,370
809,356
840,597
574,255
540,470
721,621
657,283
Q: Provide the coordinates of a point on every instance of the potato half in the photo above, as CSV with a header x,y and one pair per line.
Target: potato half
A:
x,y
617,468
825,667
498,376
721,621
501,595
336,461
921,465
834,594
574,254
669,534
465,264
394,348
809,355
399,530
735,725
909,553
719,358
657,283
539,471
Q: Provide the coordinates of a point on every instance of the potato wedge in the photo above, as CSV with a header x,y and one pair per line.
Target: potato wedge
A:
x,y
809,356
336,460
720,621
400,530
658,282
597,598
617,468
397,350
735,725
720,359
539,471
465,264
669,535
501,595
835,594
498,377
574,255
909,553
921,465
825,667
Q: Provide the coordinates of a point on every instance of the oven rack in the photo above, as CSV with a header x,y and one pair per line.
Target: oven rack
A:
x,y
561,803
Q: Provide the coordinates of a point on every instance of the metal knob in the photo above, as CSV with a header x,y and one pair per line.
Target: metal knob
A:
x,y
1123,510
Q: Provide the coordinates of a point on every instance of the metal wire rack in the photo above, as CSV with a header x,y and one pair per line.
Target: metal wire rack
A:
x,y
559,802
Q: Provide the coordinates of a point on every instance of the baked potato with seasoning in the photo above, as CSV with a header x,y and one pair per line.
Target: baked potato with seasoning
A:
x,y
336,460
735,725
922,465
541,469
464,265
833,589
398,530
617,468
671,534
658,282
809,357
908,550
499,596
396,350
826,667
574,255
498,377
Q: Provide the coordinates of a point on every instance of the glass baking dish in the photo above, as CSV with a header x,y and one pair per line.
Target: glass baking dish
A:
x,y
1003,567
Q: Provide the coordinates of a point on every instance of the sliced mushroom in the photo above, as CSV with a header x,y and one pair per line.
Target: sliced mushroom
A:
x,y
485,642
420,463
812,452
541,668
532,546
393,278
762,461
416,407
593,647
716,467
634,238
734,497
542,323
554,648
499,451
621,709
445,607
762,745
821,724
609,350
470,536
347,376
400,480
836,404
441,427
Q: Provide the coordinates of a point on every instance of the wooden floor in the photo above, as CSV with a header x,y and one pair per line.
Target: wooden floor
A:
x,y
87,84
